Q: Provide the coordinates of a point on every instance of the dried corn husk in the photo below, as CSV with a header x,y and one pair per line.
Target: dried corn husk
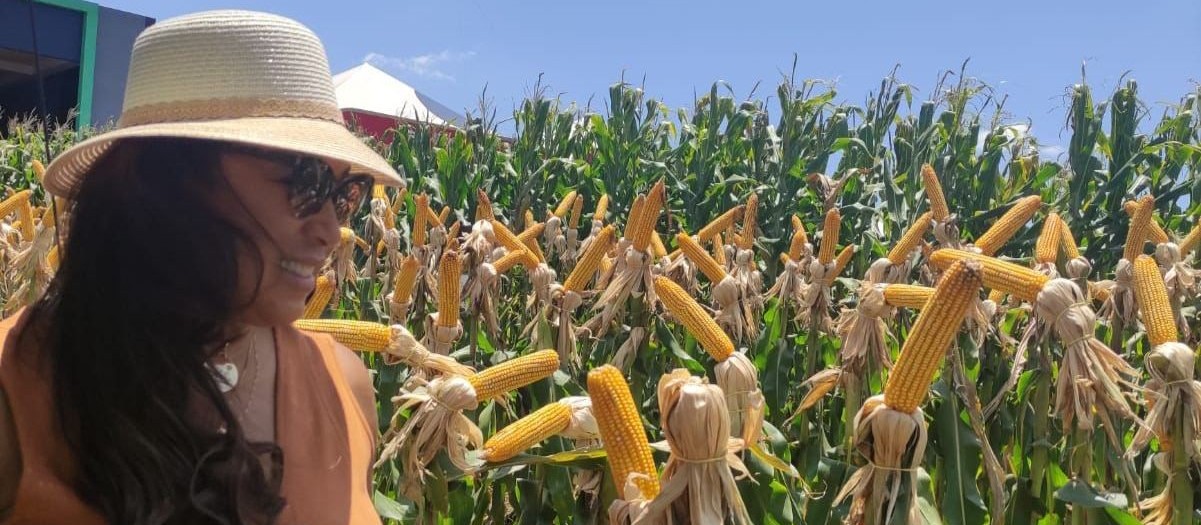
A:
x,y
437,424
632,274
885,438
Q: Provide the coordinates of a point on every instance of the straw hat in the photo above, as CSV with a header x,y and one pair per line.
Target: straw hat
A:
x,y
239,76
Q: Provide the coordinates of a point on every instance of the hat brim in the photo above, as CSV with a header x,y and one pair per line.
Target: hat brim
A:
x,y
316,137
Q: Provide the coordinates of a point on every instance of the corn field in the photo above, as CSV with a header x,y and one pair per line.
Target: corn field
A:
x,y
766,310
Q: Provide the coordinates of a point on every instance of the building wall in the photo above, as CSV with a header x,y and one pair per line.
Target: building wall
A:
x,y
115,36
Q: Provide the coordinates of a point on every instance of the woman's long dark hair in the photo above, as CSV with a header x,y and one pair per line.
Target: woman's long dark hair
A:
x,y
146,290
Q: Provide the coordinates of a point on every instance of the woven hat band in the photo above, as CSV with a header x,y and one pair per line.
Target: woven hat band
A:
x,y
217,109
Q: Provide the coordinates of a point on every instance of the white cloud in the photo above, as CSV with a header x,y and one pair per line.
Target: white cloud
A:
x,y
429,65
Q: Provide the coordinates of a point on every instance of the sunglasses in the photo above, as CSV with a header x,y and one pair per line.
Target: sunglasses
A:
x,y
312,182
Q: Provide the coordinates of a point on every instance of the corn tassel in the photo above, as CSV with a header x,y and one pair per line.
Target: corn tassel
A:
x,y
1046,250
565,205
449,270
907,295
938,202
590,261
720,224
527,432
1009,223
706,264
935,329
1152,297
628,451
694,318
1140,225
830,230
909,242
513,374
1020,281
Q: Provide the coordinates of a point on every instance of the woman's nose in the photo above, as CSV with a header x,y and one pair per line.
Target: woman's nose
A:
x,y
324,228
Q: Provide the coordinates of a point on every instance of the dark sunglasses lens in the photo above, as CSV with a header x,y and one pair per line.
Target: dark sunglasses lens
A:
x,y
350,196
312,181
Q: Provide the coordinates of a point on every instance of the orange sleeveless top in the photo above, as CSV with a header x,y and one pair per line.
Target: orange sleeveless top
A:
x,y
327,442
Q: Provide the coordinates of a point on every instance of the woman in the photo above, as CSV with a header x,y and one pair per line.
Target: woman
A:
x,y
159,380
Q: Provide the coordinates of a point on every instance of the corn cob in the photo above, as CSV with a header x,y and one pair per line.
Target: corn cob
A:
x,y
640,237
694,318
657,247
1009,223
529,218
634,218
1155,232
527,432
996,296
449,270
900,253
602,207
590,261
360,336
1152,296
14,202
529,239
1020,281
718,225
935,329
1191,240
379,191
606,264
452,233
514,373
1140,225
938,203
443,215
1067,240
829,241
719,251
748,222
907,295
796,223
706,264
840,264
1046,250
513,258
406,277
25,212
577,209
797,247
483,206
52,257
510,241
621,430
322,293
39,170
565,205
420,219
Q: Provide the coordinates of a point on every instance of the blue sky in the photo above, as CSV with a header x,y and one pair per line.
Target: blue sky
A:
x,y
1030,51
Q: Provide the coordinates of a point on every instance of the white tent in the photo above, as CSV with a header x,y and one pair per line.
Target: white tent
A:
x,y
366,90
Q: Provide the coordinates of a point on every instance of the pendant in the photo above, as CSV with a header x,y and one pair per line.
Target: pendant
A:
x,y
226,375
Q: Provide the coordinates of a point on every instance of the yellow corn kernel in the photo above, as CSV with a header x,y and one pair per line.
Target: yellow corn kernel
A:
x,y
527,432
514,373
913,236
797,248
590,261
1009,223
1155,233
640,237
1020,281
1099,294
635,217
1140,225
577,209
606,264
420,219
938,203
1067,240
322,293
719,251
1191,240
935,329
840,264
529,239
621,430
996,296
565,205
720,224
360,336
694,318
483,206
1046,250
602,207
696,253
748,222
907,295
829,241
450,267
513,258
14,202
1152,296
406,277
506,237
